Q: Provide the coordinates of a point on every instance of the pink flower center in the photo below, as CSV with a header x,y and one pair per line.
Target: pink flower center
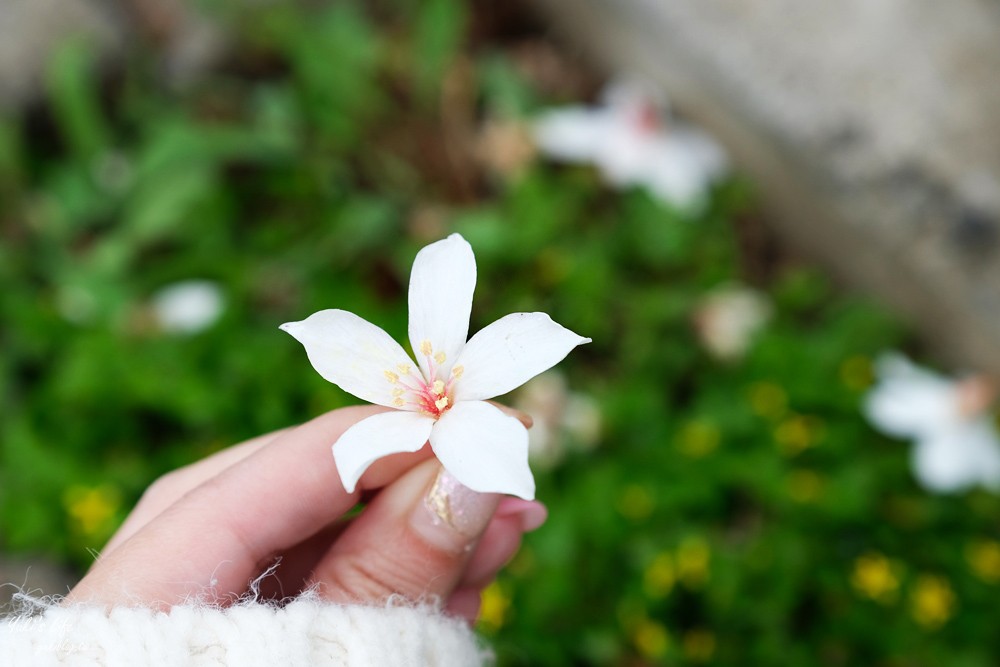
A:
x,y
431,395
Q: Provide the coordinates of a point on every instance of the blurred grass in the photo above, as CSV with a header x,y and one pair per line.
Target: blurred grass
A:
x,y
733,513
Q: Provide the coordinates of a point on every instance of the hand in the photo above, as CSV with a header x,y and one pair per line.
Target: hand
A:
x,y
208,531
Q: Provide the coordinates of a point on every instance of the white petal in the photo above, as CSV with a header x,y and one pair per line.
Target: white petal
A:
x,y
574,134
943,464
377,436
350,352
441,284
910,401
484,449
511,351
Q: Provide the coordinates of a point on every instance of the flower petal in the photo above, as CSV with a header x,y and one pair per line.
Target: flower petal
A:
x,y
574,134
350,352
511,351
484,449
377,436
441,284
909,401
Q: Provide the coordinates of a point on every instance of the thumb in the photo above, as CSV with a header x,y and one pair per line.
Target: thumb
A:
x,y
414,539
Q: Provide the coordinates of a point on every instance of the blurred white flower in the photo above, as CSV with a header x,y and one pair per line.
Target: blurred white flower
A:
x,y
727,319
956,445
188,306
562,419
631,141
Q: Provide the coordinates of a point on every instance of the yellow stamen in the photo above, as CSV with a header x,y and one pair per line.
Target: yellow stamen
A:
x,y
397,392
391,377
425,348
441,403
399,402
404,368
439,357
457,371
437,387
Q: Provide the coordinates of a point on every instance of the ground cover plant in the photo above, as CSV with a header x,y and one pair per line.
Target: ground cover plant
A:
x,y
728,512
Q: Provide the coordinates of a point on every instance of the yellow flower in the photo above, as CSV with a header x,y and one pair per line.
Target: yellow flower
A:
x,y
635,502
983,557
805,486
698,438
856,373
698,645
797,433
693,558
658,579
494,605
92,509
932,601
650,638
768,400
874,577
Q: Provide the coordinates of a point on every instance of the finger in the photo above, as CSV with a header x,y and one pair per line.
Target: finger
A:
x,y
168,489
465,603
413,540
502,539
215,538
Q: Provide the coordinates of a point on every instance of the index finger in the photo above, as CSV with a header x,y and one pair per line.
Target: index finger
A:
x,y
215,538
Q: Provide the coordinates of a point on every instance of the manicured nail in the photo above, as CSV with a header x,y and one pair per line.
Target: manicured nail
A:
x,y
453,515
531,512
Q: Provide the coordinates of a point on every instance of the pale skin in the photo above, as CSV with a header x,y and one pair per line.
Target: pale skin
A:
x,y
206,531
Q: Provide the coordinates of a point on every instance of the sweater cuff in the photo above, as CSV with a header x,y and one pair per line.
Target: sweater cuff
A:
x,y
306,631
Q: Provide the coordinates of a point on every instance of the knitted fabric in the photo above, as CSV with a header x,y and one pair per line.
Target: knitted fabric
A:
x,y
306,631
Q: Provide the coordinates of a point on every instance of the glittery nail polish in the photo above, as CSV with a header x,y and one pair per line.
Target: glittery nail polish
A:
x,y
453,515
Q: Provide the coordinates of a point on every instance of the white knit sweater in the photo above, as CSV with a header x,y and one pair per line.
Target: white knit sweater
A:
x,y
307,632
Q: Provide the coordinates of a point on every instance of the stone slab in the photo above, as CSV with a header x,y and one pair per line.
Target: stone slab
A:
x,y
871,126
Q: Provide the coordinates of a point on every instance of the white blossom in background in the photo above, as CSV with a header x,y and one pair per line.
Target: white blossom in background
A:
x,y
956,445
562,419
631,141
728,318
442,397
188,306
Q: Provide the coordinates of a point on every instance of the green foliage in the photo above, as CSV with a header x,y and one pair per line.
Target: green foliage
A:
x,y
732,513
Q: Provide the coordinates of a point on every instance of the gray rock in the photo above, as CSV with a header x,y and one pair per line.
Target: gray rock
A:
x,y
871,126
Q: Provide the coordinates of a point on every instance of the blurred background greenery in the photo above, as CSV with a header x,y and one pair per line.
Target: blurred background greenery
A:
x,y
727,512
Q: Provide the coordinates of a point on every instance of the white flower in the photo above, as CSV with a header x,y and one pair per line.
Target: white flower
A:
x,y
442,397
188,306
727,319
956,443
630,143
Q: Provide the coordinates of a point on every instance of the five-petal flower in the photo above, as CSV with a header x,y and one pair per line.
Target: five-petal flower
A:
x,y
442,397
630,143
956,445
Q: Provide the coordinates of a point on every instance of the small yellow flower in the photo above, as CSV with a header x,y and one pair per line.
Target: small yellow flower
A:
x,y
932,601
856,373
658,579
92,509
796,434
875,577
493,608
635,502
698,645
768,400
650,638
698,438
805,486
693,557
983,557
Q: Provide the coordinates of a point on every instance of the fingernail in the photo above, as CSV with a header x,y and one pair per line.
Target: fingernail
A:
x,y
453,515
531,512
